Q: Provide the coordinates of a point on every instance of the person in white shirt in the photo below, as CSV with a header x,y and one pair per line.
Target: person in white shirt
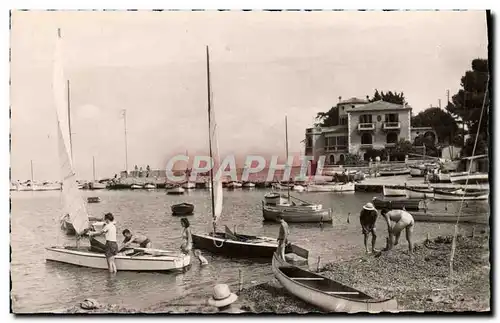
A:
x,y
109,230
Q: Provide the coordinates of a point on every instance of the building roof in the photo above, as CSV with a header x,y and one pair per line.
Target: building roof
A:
x,y
353,100
378,106
335,129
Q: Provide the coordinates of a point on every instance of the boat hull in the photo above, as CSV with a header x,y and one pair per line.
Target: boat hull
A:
x,y
270,213
393,191
348,187
449,217
469,179
85,258
399,204
323,300
256,247
415,193
459,196
182,209
416,172
394,172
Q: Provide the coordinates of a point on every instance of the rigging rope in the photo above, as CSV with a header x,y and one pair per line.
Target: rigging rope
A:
x,y
454,241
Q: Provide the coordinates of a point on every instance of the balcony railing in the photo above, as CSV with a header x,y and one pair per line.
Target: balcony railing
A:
x,y
390,145
366,145
366,126
336,148
392,125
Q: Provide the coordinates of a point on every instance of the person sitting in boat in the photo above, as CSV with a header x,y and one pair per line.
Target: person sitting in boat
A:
x,y
109,230
397,220
368,218
283,235
187,238
203,260
141,240
223,299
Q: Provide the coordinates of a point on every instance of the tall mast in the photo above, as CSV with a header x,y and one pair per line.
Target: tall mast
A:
x,y
32,172
125,132
93,167
286,140
69,121
210,136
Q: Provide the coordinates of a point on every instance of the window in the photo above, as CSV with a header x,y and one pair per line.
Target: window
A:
x,y
392,138
365,118
332,159
379,118
343,121
391,117
342,158
336,143
309,142
366,139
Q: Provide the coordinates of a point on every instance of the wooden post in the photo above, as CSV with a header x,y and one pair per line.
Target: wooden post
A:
x,y
428,236
241,280
317,266
348,214
473,231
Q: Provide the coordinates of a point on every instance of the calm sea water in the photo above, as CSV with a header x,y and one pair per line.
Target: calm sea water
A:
x,y
39,286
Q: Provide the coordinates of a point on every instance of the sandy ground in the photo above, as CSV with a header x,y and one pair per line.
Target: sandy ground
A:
x,y
419,282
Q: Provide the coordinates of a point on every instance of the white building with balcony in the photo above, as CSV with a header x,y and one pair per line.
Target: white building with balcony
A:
x,y
362,125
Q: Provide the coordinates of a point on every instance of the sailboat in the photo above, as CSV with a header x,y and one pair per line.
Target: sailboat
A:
x,y
230,243
95,185
298,211
136,259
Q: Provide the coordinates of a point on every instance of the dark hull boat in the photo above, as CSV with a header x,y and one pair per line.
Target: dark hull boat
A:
x,y
182,209
407,204
326,294
93,199
242,246
480,218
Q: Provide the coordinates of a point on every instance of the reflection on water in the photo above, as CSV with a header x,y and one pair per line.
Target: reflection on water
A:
x,y
41,286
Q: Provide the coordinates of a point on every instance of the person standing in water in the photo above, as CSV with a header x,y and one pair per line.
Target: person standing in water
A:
x,y
368,218
111,249
139,239
283,235
397,220
203,260
187,238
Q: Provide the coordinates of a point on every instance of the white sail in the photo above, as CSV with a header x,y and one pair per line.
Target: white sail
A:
x,y
214,152
74,206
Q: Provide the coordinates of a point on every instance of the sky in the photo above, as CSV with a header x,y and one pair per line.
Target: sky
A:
x,y
264,65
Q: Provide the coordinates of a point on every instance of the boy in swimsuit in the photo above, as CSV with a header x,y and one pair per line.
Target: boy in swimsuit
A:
x,y
397,220
139,239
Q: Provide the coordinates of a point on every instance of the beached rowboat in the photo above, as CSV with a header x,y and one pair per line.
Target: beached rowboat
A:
x,y
449,217
176,191
394,172
325,293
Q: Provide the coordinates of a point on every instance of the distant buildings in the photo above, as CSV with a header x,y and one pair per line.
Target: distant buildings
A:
x,y
363,125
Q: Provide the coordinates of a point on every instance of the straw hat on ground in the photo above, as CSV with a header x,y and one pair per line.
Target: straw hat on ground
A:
x,y
222,296
369,207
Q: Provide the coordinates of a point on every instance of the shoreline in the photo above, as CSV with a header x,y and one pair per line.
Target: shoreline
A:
x,y
419,283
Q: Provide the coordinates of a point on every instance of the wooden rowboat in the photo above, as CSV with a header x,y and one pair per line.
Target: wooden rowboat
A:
x,y
406,204
394,190
458,195
327,294
449,217
232,244
182,209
